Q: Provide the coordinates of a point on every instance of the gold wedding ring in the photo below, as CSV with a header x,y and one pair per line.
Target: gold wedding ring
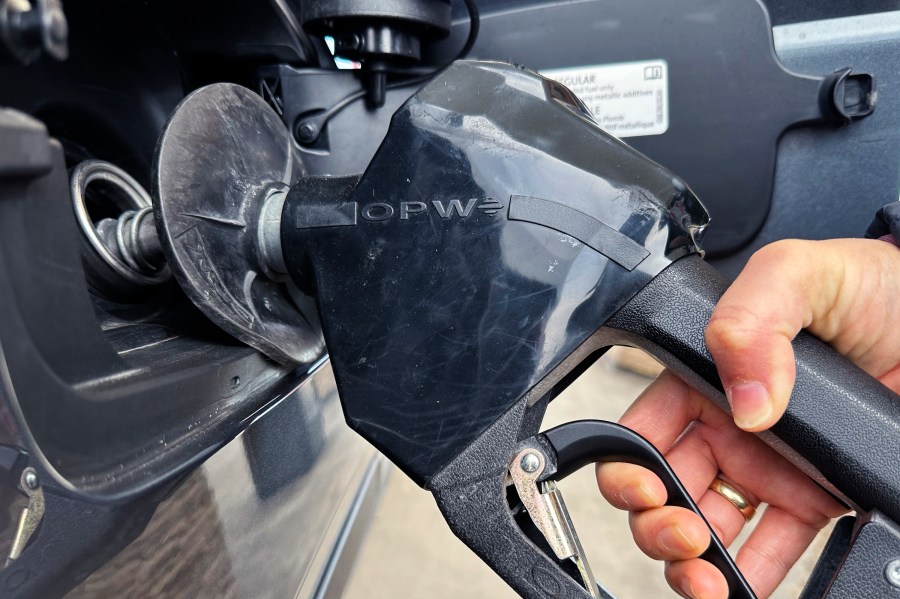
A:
x,y
734,497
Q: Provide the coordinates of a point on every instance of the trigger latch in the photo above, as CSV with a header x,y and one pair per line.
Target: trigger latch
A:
x,y
544,503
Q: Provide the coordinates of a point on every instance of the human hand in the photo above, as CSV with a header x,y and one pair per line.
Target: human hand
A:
x,y
844,292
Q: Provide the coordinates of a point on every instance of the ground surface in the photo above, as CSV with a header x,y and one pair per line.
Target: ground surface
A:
x,y
410,553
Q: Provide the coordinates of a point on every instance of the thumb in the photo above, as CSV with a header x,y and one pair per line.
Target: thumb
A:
x,y
779,292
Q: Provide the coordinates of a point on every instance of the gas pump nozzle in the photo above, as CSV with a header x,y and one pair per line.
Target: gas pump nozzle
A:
x,y
498,243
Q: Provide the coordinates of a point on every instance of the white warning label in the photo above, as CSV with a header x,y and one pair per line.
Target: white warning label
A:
x,y
628,99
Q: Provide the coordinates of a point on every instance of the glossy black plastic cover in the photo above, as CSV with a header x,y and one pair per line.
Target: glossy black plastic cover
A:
x,y
496,228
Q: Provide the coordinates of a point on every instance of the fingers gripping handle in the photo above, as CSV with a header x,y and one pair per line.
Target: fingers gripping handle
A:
x,y
584,442
471,494
841,425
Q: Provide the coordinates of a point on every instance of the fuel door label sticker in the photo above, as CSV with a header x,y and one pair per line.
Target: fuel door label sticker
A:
x,y
628,99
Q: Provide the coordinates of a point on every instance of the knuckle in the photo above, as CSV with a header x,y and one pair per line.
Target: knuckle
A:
x,y
779,253
767,555
730,330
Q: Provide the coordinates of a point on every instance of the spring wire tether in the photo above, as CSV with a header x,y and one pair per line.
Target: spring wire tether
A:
x,y
124,250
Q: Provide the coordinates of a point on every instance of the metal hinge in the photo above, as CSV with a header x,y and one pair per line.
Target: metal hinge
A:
x,y
31,514
548,511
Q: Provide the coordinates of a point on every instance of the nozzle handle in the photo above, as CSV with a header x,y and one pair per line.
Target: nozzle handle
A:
x,y
841,426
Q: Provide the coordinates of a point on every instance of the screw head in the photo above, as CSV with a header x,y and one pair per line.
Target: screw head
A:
x,y
30,479
892,573
307,132
530,462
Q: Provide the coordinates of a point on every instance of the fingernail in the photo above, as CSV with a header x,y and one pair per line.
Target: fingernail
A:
x,y
673,539
640,495
750,404
687,589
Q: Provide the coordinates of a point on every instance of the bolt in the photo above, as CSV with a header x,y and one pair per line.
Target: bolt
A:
x,y
307,132
31,479
530,462
892,573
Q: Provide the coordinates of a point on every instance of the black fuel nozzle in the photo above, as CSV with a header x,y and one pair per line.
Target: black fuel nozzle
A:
x,y
499,242
496,228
